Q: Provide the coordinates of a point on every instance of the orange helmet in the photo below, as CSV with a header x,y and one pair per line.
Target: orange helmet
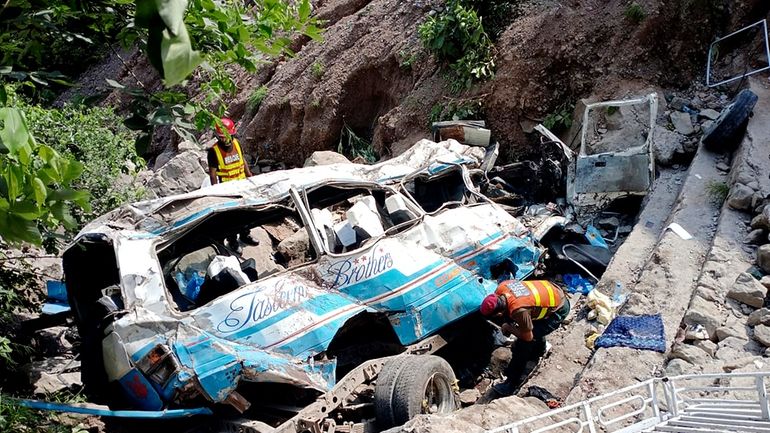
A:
x,y
227,123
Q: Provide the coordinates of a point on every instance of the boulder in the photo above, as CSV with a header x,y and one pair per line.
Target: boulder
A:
x,y
748,291
755,237
325,157
761,316
765,281
263,253
721,166
709,113
740,197
677,367
689,353
732,348
52,341
762,220
296,248
762,334
182,173
707,346
54,374
736,364
704,313
732,329
469,396
763,258
682,123
678,103
665,146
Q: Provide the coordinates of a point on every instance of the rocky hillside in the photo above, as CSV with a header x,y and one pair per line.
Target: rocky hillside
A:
x,y
372,74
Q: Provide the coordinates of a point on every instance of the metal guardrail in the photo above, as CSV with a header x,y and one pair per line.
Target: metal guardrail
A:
x,y
687,403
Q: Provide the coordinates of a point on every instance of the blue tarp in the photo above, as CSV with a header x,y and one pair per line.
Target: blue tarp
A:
x,y
638,332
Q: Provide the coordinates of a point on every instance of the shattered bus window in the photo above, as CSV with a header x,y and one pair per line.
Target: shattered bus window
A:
x,y
199,266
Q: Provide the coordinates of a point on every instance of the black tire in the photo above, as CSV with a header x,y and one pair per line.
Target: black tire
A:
x,y
426,384
723,133
385,388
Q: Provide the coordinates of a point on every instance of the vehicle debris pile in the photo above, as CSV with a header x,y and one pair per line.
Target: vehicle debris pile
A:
x,y
354,277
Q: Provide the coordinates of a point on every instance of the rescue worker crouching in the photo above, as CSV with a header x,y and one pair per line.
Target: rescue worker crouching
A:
x,y
530,310
226,163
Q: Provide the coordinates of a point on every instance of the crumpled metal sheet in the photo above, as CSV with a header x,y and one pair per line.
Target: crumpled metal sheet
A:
x,y
273,329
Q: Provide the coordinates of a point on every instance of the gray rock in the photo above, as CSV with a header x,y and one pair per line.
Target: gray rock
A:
x,y
748,291
682,123
53,375
765,281
762,220
53,341
689,353
469,396
704,313
762,334
678,367
665,146
763,258
325,157
734,348
609,223
740,197
707,346
755,237
678,103
733,329
708,113
296,248
262,253
739,363
753,185
761,316
182,173
499,360
723,167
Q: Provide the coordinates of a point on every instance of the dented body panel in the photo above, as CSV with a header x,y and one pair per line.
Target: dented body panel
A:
x,y
421,275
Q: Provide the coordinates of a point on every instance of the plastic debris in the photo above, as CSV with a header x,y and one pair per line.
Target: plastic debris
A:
x,y
544,395
602,306
680,231
595,238
577,284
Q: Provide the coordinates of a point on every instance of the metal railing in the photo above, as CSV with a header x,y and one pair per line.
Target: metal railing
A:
x,y
719,402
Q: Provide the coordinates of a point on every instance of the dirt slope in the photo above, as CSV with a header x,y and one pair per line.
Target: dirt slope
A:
x,y
371,73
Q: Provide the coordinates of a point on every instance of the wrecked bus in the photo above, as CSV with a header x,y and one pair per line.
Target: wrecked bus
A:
x,y
339,306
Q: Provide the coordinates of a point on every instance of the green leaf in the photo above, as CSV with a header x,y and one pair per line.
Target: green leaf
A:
x,y
146,11
172,13
304,10
71,170
62,213
26,210
39,190
178,57
14,134
17,230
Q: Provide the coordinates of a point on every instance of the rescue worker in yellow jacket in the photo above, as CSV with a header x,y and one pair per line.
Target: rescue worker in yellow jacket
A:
x,y
530,310
226,163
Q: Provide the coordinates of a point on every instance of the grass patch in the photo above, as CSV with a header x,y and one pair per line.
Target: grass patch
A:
x,y
317,69
718,191
635,13
255,99
353,146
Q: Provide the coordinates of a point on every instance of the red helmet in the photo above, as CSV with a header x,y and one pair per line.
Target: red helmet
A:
x,y
489,305
227,123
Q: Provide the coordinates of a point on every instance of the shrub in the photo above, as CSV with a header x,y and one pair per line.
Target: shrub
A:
x,y
354,146
635,13
457,38
317,68
97,138
255,99
457,110
560,119
718,191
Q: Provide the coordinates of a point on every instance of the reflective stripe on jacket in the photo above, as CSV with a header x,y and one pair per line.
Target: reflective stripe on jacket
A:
x,y
234,170
541,296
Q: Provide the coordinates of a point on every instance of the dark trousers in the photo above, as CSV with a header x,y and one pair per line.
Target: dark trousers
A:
x,y
525,351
